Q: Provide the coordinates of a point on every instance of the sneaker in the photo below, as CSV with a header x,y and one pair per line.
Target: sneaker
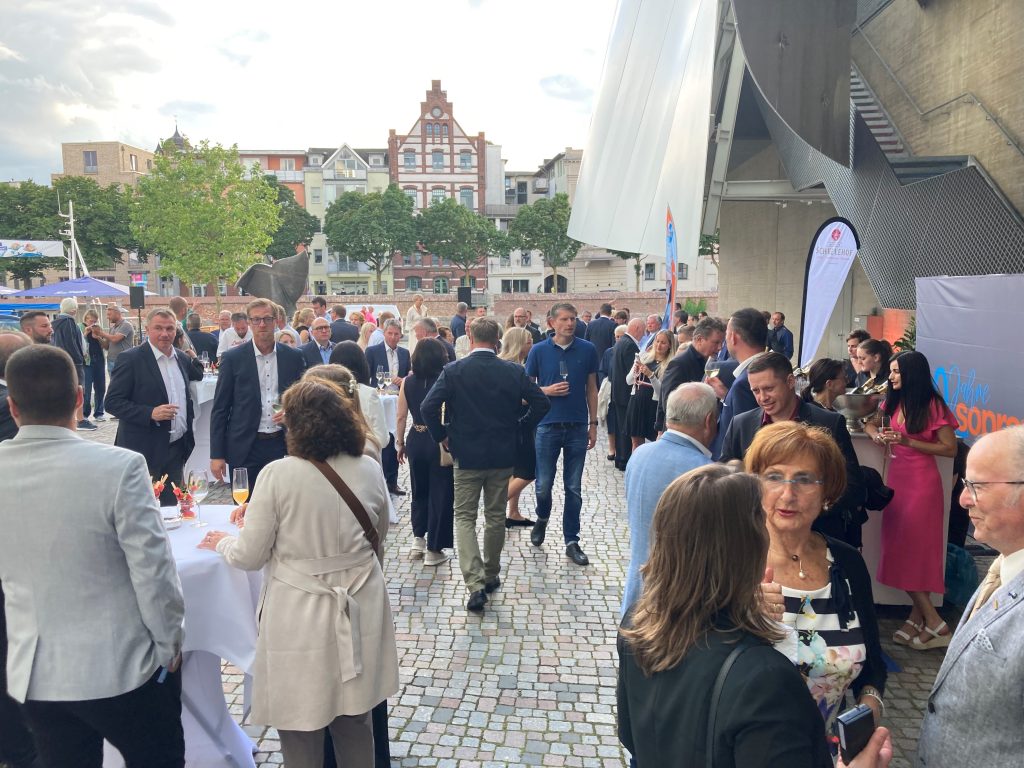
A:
x,y
101,417
419,546
436,558
86,424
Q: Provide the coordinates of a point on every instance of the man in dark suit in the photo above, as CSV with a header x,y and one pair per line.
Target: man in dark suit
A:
x,y
521,319
623,358
426,328
689,364
745,335
481,436
780,338
601,332
317,351
389,356
201,340
458,323
774,387
149,394
342,329
244,429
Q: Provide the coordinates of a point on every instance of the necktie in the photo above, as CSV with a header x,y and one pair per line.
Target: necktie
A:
x,y
991,583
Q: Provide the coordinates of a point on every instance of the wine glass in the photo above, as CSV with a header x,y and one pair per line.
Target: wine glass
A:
x,y
887,427
240,485
712,368
563,370
276,405
205,360
380,377
387,379
199,487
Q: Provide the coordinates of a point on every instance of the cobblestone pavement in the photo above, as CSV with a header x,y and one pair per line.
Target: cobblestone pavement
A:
x,y
532,682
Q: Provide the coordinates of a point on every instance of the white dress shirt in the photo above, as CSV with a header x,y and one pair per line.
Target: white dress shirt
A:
x,y
266,367
229,339
175,385
392,359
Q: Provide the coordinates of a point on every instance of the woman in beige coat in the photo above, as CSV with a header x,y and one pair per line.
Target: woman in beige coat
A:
x,y
326,652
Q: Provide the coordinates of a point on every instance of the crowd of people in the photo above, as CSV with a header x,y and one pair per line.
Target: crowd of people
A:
x,y
747,614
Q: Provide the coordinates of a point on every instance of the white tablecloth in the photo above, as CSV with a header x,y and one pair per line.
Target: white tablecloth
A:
x,y
202,396
220,623
390,403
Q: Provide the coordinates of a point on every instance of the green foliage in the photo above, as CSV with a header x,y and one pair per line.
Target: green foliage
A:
x,y
637,266
543,226
202,216
709,247
908,341
693,306
30,211
297,224
371,228
450,230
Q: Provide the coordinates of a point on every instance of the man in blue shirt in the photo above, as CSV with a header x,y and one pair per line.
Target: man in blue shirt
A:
x,y
780,338
565,368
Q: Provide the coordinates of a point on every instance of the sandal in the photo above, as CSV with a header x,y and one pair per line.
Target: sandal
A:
x,y
902,638
935,641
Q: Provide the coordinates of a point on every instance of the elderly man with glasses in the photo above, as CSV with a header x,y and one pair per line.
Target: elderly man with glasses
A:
x,y
245,430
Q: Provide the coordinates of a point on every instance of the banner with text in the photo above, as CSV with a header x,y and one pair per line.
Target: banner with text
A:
x,y
671,268
969,329
829,259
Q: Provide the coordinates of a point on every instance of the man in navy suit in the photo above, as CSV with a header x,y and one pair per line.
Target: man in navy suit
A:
x,y
601,332
745,336
244,430
342,329
481,438
389,356
149,395
317,351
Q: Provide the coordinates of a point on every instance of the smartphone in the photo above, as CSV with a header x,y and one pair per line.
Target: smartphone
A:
x,y
855,727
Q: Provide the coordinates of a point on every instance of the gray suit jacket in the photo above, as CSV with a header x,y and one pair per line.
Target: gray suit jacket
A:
x,y
94,604
975,713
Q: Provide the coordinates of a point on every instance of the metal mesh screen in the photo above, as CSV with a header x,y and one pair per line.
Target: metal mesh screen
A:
x,y
953,224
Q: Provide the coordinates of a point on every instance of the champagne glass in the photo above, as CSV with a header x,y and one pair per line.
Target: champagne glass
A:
x,y
563,370
240,485
380,377
887,428
199,487
712,368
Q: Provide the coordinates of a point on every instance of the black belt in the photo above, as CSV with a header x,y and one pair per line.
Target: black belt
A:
x,y
565,424
269,435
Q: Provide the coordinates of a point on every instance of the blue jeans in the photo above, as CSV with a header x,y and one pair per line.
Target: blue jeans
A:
x,y
95,381
571,441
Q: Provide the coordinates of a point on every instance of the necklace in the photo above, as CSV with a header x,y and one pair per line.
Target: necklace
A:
x,y
796,559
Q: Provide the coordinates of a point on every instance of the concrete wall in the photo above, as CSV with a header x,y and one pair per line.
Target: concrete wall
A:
x,y
939,53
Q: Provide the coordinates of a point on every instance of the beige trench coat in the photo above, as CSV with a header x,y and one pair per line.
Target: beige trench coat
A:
x,y
326,642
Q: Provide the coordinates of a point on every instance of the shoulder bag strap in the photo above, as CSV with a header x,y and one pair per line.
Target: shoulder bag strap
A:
x,y
353,503
716,694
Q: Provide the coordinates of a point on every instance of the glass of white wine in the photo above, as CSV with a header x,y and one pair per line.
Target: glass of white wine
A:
x,y
240,485
387,379
380,378
563,370
712,368
199,487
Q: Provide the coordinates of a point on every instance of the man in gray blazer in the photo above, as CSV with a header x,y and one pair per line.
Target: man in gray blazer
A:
x,y
974,710
93,602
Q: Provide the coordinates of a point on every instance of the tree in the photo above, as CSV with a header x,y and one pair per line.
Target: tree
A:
x,y
372,228
201,215
297,224
450,230
709,247
542,226
636,258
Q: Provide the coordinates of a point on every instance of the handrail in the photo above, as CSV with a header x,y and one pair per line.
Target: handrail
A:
x,y
923,114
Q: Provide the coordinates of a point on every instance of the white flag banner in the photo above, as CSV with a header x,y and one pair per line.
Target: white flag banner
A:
x,y
832,253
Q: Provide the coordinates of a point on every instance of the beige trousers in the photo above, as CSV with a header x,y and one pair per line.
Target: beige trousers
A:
x,y
469,483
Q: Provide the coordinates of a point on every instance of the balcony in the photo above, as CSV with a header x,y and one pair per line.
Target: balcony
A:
x,y
344,173
289,176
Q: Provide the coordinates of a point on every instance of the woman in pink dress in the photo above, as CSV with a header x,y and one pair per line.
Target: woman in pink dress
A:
x,y
920,427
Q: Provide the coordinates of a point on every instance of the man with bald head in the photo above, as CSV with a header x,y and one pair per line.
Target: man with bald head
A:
x,y
10,342
521,319
626,350
974,709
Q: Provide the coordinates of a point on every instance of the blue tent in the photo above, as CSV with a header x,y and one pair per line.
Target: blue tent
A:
x,y
81,287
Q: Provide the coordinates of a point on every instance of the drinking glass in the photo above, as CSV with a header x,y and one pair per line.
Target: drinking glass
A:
x,y
887,427
276,405
563,370
380,377
199,487
240,485
712,368
387,379
205,360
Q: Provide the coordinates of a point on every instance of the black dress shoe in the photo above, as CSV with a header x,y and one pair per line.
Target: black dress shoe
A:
x,y
394,490
539,529
577,555
511,522
477,601
492,585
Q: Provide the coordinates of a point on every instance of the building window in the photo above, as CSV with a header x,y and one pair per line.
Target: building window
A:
x,y
318,255
133,162
89,159
414,283
466,198
314,195
684,271
466,160
522,189
410,158
515,286
437,195
315,160
411,194
287,163
440,285
149,165
444,129
437,159
467,282
198,290
524,259
430,133
319,287
376,160
222,287
648,271
504,260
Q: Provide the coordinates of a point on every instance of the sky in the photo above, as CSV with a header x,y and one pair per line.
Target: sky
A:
x,y
295,74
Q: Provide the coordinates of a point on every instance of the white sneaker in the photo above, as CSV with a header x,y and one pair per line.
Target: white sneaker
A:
x,y
102,417
436,558
419,546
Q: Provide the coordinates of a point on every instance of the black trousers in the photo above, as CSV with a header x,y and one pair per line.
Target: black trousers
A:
x,y
144,725
16,744
174,468
433,493
623,443
389,463
262,453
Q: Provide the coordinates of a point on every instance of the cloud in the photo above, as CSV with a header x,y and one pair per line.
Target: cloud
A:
x,y
7,53
566,87
186,108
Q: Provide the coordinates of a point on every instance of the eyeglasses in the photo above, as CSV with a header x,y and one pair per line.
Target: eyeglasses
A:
x,y
775,481
972,486
261,320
